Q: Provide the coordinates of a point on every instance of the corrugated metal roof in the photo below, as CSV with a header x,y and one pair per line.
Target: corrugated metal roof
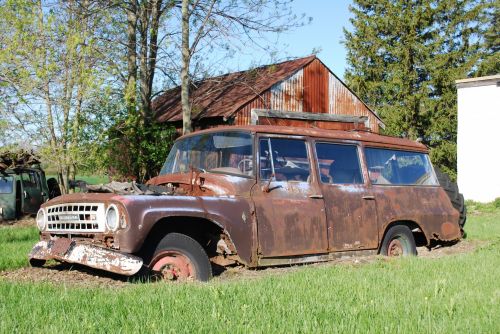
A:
x,y
222,96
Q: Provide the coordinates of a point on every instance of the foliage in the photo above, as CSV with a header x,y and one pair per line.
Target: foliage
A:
x,y
478,207
455,293
490,64
138,152
226,26
404,57
49,67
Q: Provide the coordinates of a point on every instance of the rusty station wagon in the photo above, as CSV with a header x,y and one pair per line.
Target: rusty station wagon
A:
x,y
257,196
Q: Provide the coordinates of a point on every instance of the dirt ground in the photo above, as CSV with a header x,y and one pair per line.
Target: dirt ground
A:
x,y
80,276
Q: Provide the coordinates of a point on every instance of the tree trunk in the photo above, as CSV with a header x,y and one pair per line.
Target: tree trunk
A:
x,y
130,90
186,57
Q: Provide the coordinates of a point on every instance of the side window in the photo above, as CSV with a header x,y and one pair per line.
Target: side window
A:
x,y
286,158
6,185
30,180
399,167
338,164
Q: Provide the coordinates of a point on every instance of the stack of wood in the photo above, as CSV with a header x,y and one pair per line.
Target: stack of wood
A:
x,y
17,159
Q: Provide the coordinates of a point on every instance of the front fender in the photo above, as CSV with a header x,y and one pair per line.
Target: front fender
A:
x,y
231,213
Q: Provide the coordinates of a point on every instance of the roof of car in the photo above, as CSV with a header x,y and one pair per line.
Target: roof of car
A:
x,y
362,136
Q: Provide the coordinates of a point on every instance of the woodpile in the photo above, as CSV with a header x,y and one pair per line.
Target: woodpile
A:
x,y
17,159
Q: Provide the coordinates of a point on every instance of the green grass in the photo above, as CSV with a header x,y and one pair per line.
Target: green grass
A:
x,y
456,293
15,244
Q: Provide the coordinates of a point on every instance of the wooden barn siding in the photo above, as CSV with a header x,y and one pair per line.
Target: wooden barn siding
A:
x,y
311,89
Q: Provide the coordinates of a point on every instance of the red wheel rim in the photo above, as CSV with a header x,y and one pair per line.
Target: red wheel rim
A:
x,y
395,248
173,266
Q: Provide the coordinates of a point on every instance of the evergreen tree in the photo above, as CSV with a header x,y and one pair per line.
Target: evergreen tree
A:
x,y
404,57
491,46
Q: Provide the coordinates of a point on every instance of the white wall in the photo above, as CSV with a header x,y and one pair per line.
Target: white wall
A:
x,y
478,145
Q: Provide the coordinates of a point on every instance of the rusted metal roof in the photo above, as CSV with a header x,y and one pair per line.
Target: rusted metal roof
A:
x,y
362,136
221,96
224,95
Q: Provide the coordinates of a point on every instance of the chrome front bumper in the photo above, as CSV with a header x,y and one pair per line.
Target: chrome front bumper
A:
x,y
71,251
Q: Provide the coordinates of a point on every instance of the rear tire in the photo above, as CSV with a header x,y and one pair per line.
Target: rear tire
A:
x,y
456,198
179,257
398,241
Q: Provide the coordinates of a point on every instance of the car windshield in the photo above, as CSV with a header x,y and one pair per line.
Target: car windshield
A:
x,y
6,184
227,152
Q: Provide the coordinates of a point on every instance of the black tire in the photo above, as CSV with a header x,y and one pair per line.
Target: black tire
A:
x,y
36,263
188,247
456,198
398,235
54,189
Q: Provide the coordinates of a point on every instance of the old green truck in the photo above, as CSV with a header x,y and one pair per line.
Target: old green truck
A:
x,y
23,185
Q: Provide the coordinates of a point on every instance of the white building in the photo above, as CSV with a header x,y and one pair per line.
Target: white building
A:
x,y
478,145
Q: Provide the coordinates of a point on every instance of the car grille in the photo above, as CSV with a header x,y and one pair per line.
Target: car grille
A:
x,y
76,218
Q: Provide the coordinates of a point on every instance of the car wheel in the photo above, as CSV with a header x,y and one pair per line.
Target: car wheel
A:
x,y
179,257
398,241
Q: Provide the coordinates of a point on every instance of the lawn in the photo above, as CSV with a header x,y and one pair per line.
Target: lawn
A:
x,y
456,293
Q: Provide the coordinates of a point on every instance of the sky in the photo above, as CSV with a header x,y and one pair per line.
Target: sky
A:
x,y
325,33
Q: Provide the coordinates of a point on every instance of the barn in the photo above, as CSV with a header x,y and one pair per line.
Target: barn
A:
x,y
302,92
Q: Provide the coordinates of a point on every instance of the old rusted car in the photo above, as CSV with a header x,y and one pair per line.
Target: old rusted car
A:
x,y
257,196
23,185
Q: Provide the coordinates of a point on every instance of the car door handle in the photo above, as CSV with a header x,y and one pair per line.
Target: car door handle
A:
x,y
319,196
369,197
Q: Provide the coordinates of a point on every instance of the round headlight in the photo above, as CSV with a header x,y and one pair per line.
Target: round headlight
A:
x,y
112,218
40,219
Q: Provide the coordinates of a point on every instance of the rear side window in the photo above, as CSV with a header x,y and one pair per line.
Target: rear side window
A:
x,y
338,164
392,167
6,185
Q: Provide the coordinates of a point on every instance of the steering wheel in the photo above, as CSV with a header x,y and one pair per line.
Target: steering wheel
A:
x,y
245,165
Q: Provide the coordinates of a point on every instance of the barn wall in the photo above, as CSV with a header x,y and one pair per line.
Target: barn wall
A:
x,y
311,89
478,141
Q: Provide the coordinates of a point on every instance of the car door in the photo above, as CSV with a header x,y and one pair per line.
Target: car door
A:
x,y
289,208
31,194
349,203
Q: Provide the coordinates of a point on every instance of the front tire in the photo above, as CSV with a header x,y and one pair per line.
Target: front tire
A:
x,y
179,257
398,241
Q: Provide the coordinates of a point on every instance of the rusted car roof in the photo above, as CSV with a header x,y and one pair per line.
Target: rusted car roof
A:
x,y
362,136
223,95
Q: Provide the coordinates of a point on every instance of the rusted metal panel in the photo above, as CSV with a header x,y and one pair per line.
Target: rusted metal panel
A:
x,y
427,206
290,222
67,250
316,87
288,94
362,136
352,217
343,102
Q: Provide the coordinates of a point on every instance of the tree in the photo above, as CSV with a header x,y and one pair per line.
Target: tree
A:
x,y
490,64
49,64
404,57
135,148
210,24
